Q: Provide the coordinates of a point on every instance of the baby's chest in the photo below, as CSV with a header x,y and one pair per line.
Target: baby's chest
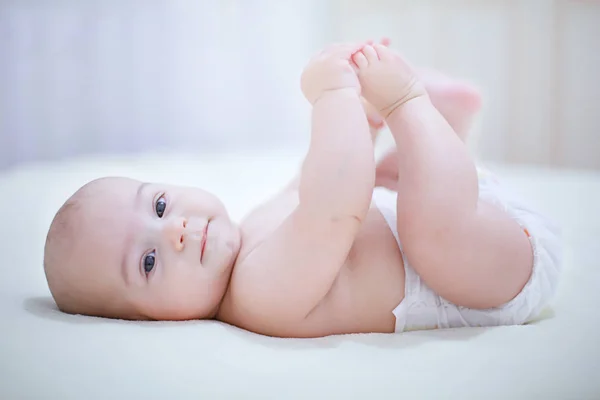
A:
x,y
374,264
263,221
368,286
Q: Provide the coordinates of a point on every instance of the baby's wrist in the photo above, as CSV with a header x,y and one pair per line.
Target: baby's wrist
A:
x,y
343,91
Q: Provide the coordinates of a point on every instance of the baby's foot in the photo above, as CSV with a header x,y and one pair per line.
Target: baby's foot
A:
x,y
387,81
457,101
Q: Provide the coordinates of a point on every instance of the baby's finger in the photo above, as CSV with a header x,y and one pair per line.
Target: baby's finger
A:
x,y
385,41
347,50
370,54
360,59
353,65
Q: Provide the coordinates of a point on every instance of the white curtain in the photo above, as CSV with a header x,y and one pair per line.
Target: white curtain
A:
x,y
80,77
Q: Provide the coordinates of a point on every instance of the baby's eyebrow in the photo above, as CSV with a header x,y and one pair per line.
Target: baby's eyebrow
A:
x,y
138,193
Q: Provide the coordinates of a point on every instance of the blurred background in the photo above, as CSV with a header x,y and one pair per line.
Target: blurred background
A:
x,y
115,77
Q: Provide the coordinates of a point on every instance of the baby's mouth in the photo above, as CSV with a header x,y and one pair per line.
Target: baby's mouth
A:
x,y
203,241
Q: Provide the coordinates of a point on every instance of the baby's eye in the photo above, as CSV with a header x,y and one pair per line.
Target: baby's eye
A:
x,y
149,261
160,206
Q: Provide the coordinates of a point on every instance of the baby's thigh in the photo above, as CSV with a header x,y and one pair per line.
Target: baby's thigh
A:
x,y
482,262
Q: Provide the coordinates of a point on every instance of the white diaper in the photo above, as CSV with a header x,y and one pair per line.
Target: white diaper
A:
x,y
422,308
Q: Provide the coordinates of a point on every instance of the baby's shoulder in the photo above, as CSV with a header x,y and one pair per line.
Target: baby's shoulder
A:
x,y
256,228
247,304
264,219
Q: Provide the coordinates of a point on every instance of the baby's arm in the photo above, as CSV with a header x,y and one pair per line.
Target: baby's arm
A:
x,y
339,171
294,268
376,123
468,251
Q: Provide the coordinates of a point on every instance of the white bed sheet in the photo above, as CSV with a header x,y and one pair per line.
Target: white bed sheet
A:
x,y
45,354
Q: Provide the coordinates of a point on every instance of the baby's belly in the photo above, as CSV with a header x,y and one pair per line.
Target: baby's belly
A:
x,y
371,283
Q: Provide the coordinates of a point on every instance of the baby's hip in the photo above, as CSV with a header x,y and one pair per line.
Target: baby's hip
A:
x,y
422,308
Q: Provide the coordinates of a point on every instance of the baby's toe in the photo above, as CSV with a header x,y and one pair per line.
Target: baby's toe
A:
x,y
360,60
383,52
370,54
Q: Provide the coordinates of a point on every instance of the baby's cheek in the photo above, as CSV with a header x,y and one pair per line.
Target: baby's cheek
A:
x,y
179,272
178,294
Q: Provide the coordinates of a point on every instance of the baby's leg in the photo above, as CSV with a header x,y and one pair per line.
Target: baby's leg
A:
x,y
466,250
457,101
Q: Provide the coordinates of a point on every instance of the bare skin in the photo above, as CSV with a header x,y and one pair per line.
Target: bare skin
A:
x,y
468,251
336,268
317,259
458,102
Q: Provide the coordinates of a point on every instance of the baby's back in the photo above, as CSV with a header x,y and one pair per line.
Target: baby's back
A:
x,y
369,283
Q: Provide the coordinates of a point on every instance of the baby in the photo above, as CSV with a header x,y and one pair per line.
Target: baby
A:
x,y
422,240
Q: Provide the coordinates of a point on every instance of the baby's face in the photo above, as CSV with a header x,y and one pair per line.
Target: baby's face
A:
x,y
168,250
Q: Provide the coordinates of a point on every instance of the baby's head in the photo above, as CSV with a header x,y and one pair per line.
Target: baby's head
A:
x,y
120,248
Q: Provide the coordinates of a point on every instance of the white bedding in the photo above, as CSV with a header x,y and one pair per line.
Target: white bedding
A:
x,y
45,354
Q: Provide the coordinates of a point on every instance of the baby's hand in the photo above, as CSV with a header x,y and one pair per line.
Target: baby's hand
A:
x,y
387,80
329,70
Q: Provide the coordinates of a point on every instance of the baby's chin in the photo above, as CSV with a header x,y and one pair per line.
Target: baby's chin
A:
x,y
225,243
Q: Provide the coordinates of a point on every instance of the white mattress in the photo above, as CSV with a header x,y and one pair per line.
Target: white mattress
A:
x,y
45,354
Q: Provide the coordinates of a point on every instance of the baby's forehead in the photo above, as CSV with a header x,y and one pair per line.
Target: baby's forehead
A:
x,y
92,228
105,218
104,204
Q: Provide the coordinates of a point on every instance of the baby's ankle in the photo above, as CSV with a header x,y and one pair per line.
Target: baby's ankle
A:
x,y
344,91
417,91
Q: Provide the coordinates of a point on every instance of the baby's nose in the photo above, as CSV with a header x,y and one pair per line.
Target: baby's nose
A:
x,y
174,231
